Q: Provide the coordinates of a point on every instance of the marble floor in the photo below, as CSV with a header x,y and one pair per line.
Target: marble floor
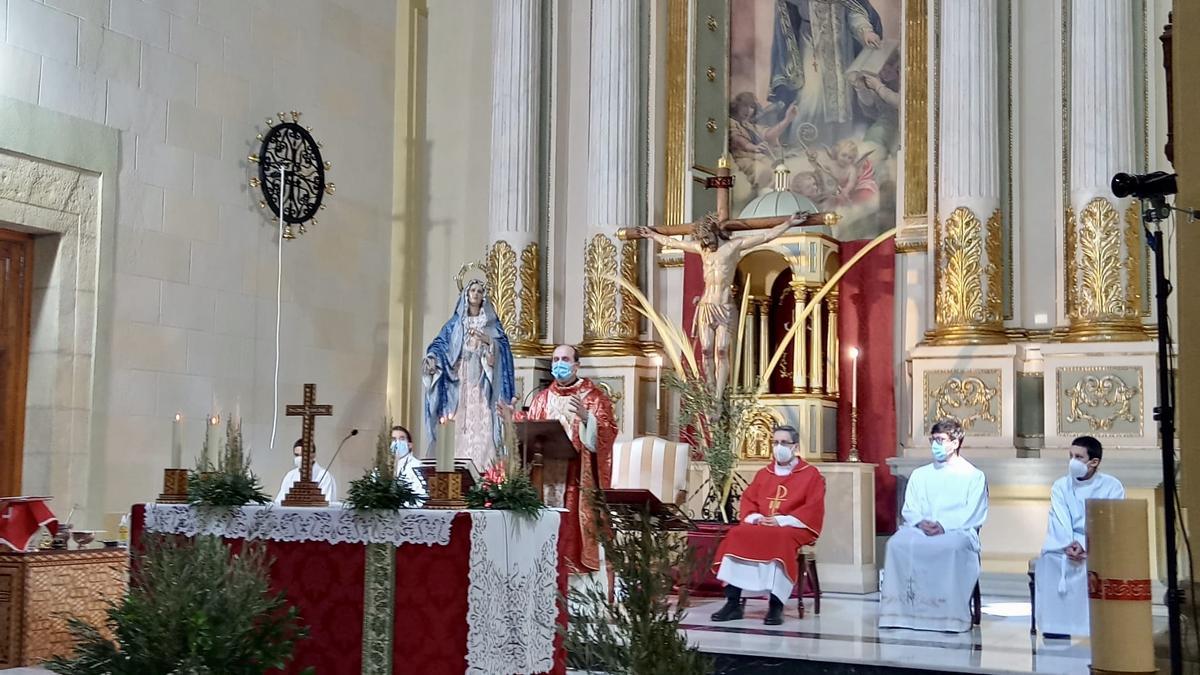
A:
x,y
846,633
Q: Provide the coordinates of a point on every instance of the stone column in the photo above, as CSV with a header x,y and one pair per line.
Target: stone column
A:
x,y
513,248
835,353
611,322
818,353
1103,259
969,262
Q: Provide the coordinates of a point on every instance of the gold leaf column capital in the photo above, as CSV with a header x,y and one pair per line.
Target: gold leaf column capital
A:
x,y
968,303
1103,259
610,318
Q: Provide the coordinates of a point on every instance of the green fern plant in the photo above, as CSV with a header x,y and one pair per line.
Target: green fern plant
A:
x,y
192,608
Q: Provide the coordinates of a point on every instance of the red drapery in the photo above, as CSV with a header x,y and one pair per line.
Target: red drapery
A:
x,y
865,320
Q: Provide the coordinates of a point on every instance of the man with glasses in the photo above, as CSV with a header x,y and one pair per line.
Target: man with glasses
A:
x,y
932,562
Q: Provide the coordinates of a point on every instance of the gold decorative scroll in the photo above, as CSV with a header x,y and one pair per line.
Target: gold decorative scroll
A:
x,y
916,111
967,399
1091,395
1103,274
610,318
525,335
968,302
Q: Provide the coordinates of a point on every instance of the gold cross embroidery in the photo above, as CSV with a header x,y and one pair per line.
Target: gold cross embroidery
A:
x,y
781,493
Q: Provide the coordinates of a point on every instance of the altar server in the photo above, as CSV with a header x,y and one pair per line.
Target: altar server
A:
x,y
408,467
782,509
932,562
324,478
1061,574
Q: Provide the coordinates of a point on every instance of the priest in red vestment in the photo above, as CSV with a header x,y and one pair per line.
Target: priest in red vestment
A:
x,y
586,414
782,509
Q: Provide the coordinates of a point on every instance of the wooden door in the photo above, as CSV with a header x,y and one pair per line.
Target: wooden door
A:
x,y
16,274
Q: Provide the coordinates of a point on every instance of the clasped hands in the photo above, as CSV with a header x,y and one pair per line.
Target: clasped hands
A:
x,y
1075,552
931,528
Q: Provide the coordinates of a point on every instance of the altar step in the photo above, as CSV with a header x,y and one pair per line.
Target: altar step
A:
x,y
845,639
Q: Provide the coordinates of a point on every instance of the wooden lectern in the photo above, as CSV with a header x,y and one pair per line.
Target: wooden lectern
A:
x,y
541,440
628,507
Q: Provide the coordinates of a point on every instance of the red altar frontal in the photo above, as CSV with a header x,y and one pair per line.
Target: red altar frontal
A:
x,y
411,591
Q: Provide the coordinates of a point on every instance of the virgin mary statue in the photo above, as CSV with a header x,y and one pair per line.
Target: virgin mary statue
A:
x,y
468,368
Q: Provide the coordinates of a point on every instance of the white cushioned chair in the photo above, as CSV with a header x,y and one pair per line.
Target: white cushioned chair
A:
x,y
654,464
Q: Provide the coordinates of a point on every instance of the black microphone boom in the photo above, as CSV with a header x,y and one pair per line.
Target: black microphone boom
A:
x,y
353,432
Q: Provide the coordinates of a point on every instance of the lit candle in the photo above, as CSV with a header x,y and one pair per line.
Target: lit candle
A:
x,y
177,442
854,377
445,446
657,360
212,441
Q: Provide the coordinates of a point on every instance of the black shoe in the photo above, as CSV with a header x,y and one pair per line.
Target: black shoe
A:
x,y
732,611
1056,636
774,613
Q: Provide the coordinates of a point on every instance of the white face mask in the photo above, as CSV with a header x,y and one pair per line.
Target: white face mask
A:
x,y
783,454
1077,468
296,461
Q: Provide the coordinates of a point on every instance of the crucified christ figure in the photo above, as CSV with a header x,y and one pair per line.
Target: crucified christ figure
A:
x,y
715,314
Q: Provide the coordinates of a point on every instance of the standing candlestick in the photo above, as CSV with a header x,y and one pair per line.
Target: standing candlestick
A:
x,y
177,442
445,484
854,354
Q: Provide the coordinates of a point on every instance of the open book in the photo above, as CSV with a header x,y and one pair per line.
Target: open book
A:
x,y
461,465
871,60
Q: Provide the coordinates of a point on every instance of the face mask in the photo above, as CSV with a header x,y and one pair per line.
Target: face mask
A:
x,y
1077,468
296,461
400,448
561,370
939,451
783,454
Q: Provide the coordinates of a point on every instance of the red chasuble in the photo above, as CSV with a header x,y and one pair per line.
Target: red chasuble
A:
x,y
590,471
800,494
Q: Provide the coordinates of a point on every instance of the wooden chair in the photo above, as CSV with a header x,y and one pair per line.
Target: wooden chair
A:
x,y
1032,597
807,561
976,606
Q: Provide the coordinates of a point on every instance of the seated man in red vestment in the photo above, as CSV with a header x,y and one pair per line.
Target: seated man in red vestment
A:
x,y
586,414
782,509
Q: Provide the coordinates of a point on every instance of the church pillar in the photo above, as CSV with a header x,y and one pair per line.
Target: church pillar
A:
x,y
831,339
1102,259
818,353
513,267
968,304
800,357
611,323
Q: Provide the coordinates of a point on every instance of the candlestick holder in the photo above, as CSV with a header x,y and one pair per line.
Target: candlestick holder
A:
x,y
175,487
853,458
445,491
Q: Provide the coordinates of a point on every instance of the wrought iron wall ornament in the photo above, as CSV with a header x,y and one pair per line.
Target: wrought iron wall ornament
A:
x,y
1104,273
969,294
297,195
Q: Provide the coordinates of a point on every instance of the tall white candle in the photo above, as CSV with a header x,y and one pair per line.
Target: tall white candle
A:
x,y
212,443
445,446
177,442
854,377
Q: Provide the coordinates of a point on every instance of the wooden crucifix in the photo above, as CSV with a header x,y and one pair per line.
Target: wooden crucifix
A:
x,y
306,492
716,315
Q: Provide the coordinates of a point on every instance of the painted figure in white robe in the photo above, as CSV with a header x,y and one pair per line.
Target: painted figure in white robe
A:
x,y
932,562
319,474
1061,601
408,467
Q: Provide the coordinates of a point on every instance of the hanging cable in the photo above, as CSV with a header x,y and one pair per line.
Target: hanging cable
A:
x,y
278,309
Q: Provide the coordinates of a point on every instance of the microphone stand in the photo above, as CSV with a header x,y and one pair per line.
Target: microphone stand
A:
x,y
1154,210
353,432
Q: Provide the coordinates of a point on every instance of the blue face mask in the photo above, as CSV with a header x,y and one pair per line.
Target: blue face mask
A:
x,y
561,370
939,451
400,448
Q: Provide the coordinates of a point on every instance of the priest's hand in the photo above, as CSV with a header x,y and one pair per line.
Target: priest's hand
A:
x,y
578,408
769,521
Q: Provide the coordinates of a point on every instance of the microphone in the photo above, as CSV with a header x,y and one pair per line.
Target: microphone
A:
x,y
353,432
529,396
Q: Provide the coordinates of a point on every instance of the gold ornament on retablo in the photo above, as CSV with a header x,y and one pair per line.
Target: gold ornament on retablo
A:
x,y
1118,578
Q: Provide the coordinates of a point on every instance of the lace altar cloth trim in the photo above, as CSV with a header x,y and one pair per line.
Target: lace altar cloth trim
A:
x,y
278,523
512,600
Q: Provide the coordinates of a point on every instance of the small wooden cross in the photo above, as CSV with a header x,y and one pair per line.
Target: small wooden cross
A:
x,y
305,492
722,181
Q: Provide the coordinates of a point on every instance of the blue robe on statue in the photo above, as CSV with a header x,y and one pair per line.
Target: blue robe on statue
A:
x,y
460,363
